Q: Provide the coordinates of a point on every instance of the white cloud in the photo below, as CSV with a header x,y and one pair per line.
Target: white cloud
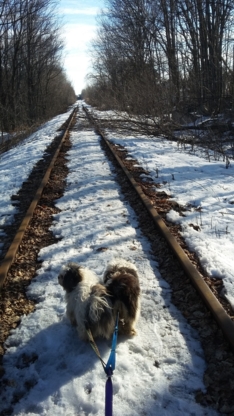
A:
x,y
79,29
77,70
77,58
78,36
88,11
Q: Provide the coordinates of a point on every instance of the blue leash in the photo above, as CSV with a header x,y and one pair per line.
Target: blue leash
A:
x,y
109,396
108,368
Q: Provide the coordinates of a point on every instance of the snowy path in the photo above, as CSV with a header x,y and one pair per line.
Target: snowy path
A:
x,y
49,368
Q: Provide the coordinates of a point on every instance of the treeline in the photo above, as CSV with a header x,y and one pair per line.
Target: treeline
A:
x,y
33,86
153,56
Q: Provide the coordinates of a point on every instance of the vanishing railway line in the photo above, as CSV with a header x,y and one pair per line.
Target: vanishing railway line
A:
x,y
192,293
226,324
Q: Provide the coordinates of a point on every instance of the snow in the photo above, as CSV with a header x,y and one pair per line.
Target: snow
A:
x,y
15,170
205,187
158,371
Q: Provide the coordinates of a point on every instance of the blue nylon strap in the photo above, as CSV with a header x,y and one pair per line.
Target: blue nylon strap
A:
x,y
110,366
109,396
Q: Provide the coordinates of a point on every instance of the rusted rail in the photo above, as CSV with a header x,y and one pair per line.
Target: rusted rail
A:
x,y
212,303
11,253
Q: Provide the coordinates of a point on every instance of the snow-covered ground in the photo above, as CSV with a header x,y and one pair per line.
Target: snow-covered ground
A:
x,y
206,188
201,181
17,164
159,370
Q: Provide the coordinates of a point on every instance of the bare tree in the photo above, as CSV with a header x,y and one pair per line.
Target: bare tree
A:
x,y
203,24
154,56
30,56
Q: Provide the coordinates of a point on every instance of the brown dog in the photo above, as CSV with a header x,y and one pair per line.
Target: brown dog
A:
x,y
93,305
122,283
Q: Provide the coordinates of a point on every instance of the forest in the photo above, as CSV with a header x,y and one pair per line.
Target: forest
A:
x,y
156,57
33,85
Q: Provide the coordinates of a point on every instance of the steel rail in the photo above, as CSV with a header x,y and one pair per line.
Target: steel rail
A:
x,y
212,303
11,253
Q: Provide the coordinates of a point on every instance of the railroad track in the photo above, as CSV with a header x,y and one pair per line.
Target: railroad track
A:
x,y
171,257
211,301
29,232
14,246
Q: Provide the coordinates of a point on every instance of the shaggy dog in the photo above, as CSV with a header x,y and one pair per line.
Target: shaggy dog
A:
x,y
94,305
88,304
122,283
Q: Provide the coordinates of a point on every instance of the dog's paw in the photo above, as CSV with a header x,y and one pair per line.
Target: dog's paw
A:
x,y
127,330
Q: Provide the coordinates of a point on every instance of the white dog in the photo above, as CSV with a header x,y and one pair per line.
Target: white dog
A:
x,y
88,304
92,305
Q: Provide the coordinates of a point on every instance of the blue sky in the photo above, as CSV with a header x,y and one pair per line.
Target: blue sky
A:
x,y
79,18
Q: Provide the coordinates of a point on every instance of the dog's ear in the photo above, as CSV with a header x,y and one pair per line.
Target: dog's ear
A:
x,y
70,278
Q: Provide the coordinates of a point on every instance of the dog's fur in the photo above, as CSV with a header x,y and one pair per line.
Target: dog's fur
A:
x,y
122,283
94,305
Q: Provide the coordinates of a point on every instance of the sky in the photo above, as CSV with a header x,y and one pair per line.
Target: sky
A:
x,y
79,19
44,351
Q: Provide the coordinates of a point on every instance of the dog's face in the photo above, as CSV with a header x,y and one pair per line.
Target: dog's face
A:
x,y
70,277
